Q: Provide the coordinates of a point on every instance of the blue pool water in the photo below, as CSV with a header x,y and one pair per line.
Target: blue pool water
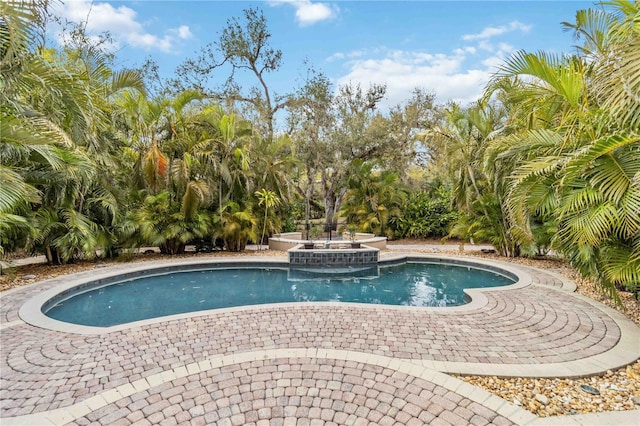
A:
x,y
409,284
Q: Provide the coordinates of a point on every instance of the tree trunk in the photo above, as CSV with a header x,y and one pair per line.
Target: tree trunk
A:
x,y
264,228
329,207
332,197
48,254
332,203
307,201
475,186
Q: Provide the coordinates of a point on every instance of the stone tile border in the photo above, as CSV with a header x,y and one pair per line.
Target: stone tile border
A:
x,y
626,351
71,413
500,406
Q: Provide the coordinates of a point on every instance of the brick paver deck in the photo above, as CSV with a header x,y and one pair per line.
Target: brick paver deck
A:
x,y
347,364
328,390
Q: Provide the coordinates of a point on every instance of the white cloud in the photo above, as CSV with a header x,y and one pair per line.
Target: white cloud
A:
x,y
308,12
505,47
490,47
336,56
485,45
340,55
493,61
121,22
490,32
503,52
466,49
184,32
403,71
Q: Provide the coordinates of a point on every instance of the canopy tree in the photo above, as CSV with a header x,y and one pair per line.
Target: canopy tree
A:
x,y
244,45
309,123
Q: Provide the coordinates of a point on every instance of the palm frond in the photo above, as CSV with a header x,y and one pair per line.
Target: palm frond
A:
x,y
622,265
127,79
194,195
592,26
552,74
14,190
617,78
17,32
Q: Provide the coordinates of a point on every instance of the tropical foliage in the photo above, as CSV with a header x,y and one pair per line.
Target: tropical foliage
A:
x,y
373,200
55,126
425,215
268,200
550,158
92,163
478,182
576,145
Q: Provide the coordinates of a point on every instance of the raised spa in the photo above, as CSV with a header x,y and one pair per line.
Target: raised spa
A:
x,y
151,296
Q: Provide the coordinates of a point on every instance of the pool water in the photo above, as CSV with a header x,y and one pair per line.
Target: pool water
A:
x,y
408,284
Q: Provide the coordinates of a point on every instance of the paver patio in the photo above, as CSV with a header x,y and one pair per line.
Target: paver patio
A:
x,y
314,363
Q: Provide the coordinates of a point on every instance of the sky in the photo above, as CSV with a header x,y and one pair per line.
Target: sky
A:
x,y
450,48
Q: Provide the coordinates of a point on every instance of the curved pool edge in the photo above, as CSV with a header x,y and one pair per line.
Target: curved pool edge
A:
x,y
620,353
31,311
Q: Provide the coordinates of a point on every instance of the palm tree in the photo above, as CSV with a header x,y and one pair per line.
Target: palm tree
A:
x,y
273,162
223,145
141,124
478,183
238,226
165,224
55,158
26,133
582,167
612,42
269,200
169,169
373,198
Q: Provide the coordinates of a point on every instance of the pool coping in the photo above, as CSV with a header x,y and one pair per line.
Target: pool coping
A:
x,y
31,311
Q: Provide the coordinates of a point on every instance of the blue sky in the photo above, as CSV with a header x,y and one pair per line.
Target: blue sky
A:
x,y
448,47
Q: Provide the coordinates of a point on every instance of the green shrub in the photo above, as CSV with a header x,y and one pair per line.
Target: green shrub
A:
x,y
424,216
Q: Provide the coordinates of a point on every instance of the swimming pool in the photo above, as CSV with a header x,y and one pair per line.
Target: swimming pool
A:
x,y
412,283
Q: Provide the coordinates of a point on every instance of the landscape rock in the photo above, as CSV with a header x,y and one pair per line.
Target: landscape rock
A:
x,y
542,399
618,389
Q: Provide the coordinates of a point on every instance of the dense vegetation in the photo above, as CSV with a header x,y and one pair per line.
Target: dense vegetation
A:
x,y
93,158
